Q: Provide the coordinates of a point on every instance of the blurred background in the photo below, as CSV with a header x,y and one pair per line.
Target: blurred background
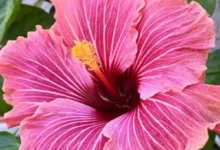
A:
x,y
216,17
17,17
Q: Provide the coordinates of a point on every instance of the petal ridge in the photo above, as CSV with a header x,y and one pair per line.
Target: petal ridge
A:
x,y
63,124
107,24
171,120
40,68
172,53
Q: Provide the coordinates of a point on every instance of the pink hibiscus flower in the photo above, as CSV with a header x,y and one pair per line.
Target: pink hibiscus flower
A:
x,y
115,75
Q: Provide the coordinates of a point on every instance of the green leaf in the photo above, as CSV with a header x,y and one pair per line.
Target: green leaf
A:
x,y
208,5
39,3
213,64
3,106
8,141
26,20
52,11
211,142
8,10
215,147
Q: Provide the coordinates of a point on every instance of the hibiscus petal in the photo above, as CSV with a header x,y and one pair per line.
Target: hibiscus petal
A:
x,y
172,48
19,112
63,124
156,5
109,25
168,121
39,69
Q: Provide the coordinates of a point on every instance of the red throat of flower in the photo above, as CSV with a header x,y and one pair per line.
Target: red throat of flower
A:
x,y
85,52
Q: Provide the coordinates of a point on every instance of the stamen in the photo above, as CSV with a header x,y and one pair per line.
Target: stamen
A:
x,y
105,81
85,52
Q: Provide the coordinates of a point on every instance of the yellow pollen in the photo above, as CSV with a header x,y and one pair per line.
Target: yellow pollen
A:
x,y
85,52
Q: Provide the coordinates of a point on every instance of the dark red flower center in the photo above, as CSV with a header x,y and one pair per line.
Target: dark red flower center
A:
x,y
122,96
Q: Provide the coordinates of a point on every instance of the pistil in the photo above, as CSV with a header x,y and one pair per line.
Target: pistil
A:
x,y
102,77
85,52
